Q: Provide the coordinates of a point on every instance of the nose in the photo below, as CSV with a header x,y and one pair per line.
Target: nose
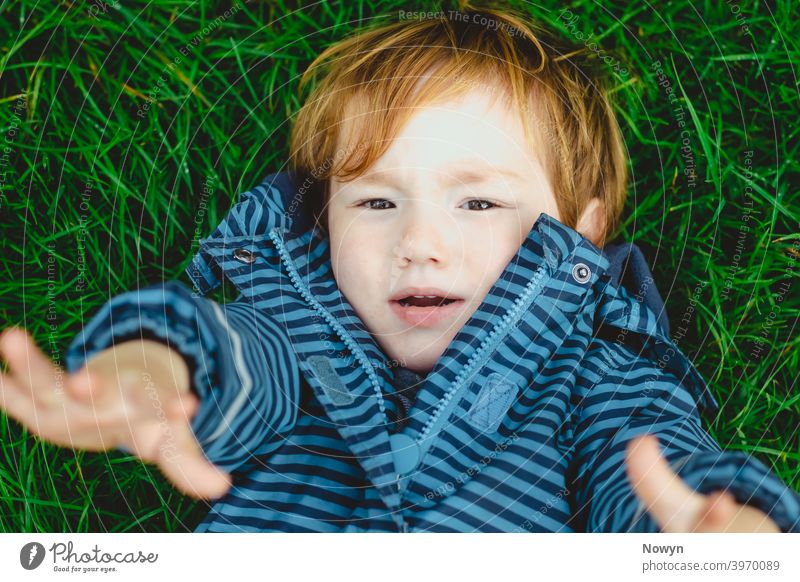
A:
x,y
424,237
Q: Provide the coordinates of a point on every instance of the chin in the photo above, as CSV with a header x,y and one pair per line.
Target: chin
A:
x,y
416,354
421,364
423,369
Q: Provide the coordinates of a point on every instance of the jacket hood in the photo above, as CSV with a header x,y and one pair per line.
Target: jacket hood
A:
x,y
555,298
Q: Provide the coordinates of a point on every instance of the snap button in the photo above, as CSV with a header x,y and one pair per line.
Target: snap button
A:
x,y
581,273
244,256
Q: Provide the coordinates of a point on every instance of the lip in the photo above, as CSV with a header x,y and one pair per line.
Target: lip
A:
x,y
425,317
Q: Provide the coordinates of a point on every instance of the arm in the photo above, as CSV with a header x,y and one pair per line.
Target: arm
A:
x,y
240,361
638,398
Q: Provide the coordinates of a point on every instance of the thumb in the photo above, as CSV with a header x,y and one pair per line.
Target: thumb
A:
x,y
719,510
185,465
673,505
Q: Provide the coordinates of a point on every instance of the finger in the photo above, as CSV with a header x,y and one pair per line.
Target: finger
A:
x,y
144,439
718,512
189,470
9,338
16,401
53,424
673,505
752,519
31,368
724,514
182,407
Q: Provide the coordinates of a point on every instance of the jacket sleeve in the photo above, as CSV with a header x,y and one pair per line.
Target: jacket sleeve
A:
x,y
637,398
241,364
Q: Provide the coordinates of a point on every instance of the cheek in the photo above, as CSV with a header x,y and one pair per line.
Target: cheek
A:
x,y
354,260
488,252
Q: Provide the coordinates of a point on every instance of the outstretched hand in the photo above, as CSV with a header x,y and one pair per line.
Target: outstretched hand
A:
x,y
678,508
135,395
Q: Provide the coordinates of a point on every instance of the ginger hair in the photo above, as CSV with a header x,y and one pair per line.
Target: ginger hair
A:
x,y
375,79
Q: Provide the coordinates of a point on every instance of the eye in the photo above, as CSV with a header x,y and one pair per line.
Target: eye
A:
x,y
486,205
381,200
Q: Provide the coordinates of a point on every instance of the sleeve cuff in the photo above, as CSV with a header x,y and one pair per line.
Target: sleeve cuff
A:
x,y
163,312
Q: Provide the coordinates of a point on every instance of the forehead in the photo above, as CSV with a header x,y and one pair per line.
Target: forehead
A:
x,y
474,137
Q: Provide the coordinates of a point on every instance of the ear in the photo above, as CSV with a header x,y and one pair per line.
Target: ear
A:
x,y
592,222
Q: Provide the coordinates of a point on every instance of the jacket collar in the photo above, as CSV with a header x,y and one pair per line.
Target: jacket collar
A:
x,y
277,203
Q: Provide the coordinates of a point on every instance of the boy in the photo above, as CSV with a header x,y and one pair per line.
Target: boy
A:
x,y
427,336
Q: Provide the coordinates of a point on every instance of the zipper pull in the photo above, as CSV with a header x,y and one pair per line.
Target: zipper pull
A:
x,y
403,525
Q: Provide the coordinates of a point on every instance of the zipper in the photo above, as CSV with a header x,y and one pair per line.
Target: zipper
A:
x,y
441,414
478,358
346,337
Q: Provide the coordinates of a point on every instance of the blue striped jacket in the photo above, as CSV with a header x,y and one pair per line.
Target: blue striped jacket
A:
x,y
520,426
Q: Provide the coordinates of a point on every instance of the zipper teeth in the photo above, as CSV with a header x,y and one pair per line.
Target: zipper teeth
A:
x,y
348,340
497,332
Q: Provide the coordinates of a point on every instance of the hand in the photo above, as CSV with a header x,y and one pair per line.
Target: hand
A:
x,y
678,508
135,395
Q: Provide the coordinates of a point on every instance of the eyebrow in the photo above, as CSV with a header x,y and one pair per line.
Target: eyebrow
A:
x,y
470,171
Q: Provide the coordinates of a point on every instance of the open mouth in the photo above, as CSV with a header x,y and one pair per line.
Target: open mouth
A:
x,y
426,311
425,301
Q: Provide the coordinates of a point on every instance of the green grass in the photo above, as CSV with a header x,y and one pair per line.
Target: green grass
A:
x,y
222,114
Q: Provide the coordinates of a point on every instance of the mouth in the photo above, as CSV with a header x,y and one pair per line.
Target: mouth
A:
x,y
425,310
425,301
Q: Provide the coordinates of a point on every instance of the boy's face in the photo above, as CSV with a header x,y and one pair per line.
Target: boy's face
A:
x,y
446,207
